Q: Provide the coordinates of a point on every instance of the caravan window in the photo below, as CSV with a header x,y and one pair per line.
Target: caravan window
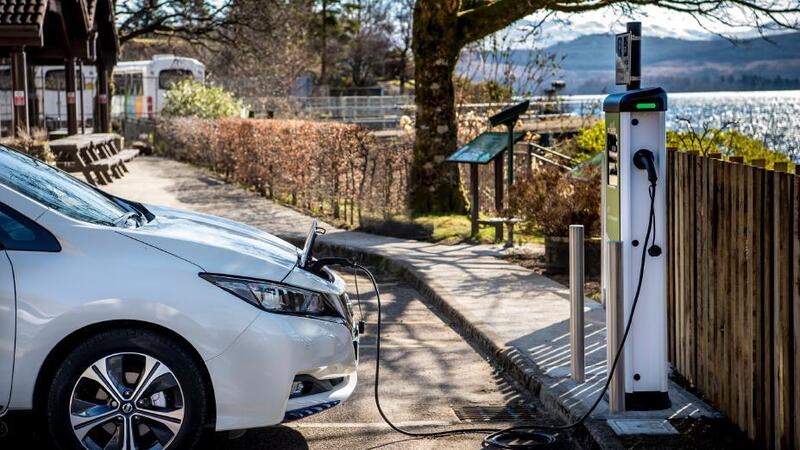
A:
x,y
128,84
5,79
135,84
119,84
166,78
54,80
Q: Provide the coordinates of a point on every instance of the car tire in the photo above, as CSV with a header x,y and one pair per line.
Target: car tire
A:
x,y
152,394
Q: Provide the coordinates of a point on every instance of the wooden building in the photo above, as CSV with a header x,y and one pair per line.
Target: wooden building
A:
x,y
58,32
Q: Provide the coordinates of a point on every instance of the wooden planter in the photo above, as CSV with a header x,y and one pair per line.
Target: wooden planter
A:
x,y
556,255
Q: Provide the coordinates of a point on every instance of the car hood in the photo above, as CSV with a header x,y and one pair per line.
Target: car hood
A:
x,y
217,245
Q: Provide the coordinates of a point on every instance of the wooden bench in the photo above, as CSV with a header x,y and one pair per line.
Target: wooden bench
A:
x,y
497,223
128,154
98,156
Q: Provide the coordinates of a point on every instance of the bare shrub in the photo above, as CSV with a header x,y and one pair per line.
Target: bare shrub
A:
x,y
550,201
34,144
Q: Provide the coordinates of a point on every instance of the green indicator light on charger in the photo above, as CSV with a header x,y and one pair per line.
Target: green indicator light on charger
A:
x,y
646,106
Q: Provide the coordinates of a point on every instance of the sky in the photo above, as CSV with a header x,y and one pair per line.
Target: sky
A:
x,y
655,22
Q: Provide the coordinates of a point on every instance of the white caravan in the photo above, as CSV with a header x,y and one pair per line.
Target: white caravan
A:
x,y
139,88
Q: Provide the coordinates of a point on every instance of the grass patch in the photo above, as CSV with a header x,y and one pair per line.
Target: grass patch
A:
x,y
455,228
440,228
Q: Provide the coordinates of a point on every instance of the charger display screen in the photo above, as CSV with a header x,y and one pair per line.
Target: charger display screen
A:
x,y
612,157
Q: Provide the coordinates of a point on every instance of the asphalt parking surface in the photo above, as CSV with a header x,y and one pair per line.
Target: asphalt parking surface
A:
x,y
428,371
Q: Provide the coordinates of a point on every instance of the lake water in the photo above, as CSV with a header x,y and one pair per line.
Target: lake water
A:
x,y
770,116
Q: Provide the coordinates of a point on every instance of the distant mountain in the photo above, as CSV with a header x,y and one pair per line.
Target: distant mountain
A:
x,y
681,65
554,31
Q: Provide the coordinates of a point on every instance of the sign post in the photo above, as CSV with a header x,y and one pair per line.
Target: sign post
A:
x,y
485,148
509,118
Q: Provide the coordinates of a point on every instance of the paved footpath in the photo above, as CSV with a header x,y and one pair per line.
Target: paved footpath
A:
x,y
519,317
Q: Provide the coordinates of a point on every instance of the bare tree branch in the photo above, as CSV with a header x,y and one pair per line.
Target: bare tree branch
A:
x,y
190,20
487,17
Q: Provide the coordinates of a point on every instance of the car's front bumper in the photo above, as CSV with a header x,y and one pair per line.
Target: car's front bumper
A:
x,y
253,378
300,407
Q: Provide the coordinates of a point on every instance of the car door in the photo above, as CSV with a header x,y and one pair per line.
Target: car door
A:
x,y
8,312
18,234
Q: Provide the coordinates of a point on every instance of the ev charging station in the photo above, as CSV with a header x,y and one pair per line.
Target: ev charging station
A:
x,y
634,175
634,275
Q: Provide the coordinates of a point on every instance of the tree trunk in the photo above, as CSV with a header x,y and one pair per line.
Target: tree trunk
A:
x,y
403,70
323,71
335,199
435,185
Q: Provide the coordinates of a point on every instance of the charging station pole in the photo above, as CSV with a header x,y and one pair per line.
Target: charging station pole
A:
x,y
636,122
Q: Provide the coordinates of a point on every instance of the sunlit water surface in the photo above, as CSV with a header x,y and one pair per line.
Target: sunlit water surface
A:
x,y
773,117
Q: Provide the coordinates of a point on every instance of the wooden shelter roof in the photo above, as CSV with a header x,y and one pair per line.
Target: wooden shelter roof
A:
x,y
52,30
22,21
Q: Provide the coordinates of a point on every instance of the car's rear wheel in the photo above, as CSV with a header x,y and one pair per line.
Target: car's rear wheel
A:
x,y
127,389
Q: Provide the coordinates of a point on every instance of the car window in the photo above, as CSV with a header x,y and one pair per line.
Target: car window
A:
x,y
18,232
57,190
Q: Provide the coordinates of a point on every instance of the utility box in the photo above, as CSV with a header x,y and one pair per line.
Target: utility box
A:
x,y
635,120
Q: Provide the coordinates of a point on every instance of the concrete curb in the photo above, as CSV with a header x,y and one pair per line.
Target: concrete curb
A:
x,y
593,434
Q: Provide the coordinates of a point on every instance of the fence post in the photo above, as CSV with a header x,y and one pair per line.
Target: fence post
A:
x,y
576,284
615,324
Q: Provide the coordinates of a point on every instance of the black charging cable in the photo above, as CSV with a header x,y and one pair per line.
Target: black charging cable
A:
x,y
533,435
502,438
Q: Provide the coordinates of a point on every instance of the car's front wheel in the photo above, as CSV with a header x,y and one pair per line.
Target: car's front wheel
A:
x,y
127,389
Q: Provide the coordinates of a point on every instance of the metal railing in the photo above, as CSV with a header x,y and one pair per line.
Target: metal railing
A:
x,y
387,111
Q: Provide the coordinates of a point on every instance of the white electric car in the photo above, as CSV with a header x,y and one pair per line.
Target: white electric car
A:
x,y
124,326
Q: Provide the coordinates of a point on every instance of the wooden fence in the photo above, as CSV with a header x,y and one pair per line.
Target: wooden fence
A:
x,y
734,290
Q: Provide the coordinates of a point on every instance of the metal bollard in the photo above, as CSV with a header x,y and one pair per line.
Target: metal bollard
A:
x,y
576,285
615,327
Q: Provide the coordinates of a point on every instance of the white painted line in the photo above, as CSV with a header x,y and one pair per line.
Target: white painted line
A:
x,y
422,423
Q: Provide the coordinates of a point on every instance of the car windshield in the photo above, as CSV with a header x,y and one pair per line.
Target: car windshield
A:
x,y
58,190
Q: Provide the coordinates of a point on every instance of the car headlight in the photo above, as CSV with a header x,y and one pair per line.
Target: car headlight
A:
x,y
273,297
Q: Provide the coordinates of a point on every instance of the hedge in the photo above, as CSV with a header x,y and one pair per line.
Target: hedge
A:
x,y
333,169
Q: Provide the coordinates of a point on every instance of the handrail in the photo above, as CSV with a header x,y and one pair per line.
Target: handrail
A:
x,y
550,150
548,161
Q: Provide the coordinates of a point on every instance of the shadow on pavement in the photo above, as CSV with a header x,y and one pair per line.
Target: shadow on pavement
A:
x,y
261,438
19,432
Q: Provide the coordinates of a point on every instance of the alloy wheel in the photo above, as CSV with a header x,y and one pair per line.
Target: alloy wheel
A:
x,y
126,401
